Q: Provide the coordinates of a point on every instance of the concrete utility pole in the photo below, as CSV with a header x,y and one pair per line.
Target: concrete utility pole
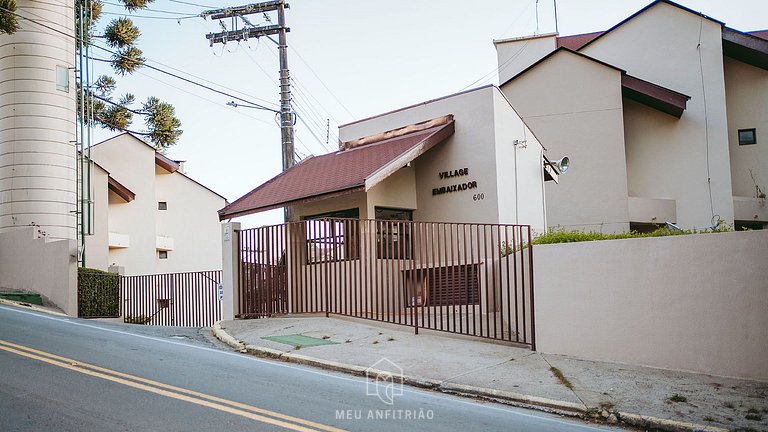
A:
x,y
250,31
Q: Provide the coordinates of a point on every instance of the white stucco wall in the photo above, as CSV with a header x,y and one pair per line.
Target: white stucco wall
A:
x,y
694,302
48,267
191,221
673,158
396,191
471,146
516,54
37,124
485,127
97,244
746,90
189,229
574,105
132,163
519,173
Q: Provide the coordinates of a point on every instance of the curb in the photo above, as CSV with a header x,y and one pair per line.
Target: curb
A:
x,y
29,306
508,398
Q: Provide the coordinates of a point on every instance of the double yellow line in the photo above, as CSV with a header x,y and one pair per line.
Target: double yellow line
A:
x,y
202,399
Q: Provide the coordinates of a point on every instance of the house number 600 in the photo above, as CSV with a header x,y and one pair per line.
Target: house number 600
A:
x,y
478,197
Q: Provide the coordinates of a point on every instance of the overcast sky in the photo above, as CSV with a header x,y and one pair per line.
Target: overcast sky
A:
x,y
348,60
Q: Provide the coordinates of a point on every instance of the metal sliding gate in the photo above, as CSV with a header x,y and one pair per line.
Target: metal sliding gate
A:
x,y
172,299
471,279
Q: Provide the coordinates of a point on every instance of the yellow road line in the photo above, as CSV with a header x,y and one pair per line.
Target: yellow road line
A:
x,y
191,396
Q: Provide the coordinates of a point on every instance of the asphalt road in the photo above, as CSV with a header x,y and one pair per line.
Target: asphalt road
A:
x,y
66,374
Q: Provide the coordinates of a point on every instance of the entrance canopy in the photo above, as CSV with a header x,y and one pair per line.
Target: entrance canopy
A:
x,y
358,166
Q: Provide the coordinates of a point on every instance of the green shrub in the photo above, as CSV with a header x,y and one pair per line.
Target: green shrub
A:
x,y
138,319
98,293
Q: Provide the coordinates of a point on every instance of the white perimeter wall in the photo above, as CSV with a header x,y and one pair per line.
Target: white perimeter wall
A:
x,y
35,264
695,303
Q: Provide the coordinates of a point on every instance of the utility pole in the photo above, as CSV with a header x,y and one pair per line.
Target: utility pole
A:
x,y
250,31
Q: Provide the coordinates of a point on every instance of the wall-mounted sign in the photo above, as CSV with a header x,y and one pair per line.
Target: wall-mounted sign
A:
x,y
454,173
455,187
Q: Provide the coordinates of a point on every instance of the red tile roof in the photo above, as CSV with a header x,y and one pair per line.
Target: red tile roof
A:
x,y
577,41
342,172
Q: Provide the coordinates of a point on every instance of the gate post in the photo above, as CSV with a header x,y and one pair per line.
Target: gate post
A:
x,y
230,275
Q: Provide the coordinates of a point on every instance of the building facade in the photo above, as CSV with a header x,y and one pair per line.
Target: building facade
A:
x,y
467,158
148,216
663,114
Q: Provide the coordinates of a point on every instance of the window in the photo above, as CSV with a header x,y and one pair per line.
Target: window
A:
x,y
162,205
333,236
162,254
62,78
393,234
747,136
443,286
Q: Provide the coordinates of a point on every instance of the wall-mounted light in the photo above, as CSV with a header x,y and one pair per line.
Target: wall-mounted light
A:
x,y
561,165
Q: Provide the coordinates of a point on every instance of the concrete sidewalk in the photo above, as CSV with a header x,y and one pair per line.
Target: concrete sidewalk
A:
x,y
639,396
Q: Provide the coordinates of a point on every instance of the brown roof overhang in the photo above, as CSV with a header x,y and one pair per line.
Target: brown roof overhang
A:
x,y
120,190
575,42
165,163
744,47
366,162
653,95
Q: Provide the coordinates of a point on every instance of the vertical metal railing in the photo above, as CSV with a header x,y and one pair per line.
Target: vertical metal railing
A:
x,y
172,299
466,278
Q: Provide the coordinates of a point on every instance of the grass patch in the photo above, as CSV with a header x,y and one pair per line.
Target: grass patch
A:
x,y
390,339
678,398
375,342
729,404
753,411
709,419
560,235
755,417
560,377
297,347
326,337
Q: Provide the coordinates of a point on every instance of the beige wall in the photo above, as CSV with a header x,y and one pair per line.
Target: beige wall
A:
x,y
515,55
746,90
669,157
396,191
344,202
189,230
97,244
132,163
485,127
47,267
519,173
191,221
37,124
695,303
578,114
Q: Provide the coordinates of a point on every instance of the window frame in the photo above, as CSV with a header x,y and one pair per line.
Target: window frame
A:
x,y
162,205
393,240
160,254
747,142
341,240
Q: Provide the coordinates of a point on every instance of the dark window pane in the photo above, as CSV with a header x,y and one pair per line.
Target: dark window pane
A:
x,y
747,136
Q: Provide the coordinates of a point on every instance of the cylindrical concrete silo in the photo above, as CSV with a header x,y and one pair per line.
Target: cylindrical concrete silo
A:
x,y
38,120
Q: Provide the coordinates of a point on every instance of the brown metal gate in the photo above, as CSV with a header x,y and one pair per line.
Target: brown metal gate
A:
x,y
471,279
172,299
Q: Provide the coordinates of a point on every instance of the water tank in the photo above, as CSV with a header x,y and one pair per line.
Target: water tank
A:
x,y
37,121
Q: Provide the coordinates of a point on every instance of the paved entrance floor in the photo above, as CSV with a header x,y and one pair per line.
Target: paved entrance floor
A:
x,y
642,396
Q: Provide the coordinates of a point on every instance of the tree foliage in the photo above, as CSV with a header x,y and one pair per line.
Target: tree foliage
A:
x,y
8,22
101,106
